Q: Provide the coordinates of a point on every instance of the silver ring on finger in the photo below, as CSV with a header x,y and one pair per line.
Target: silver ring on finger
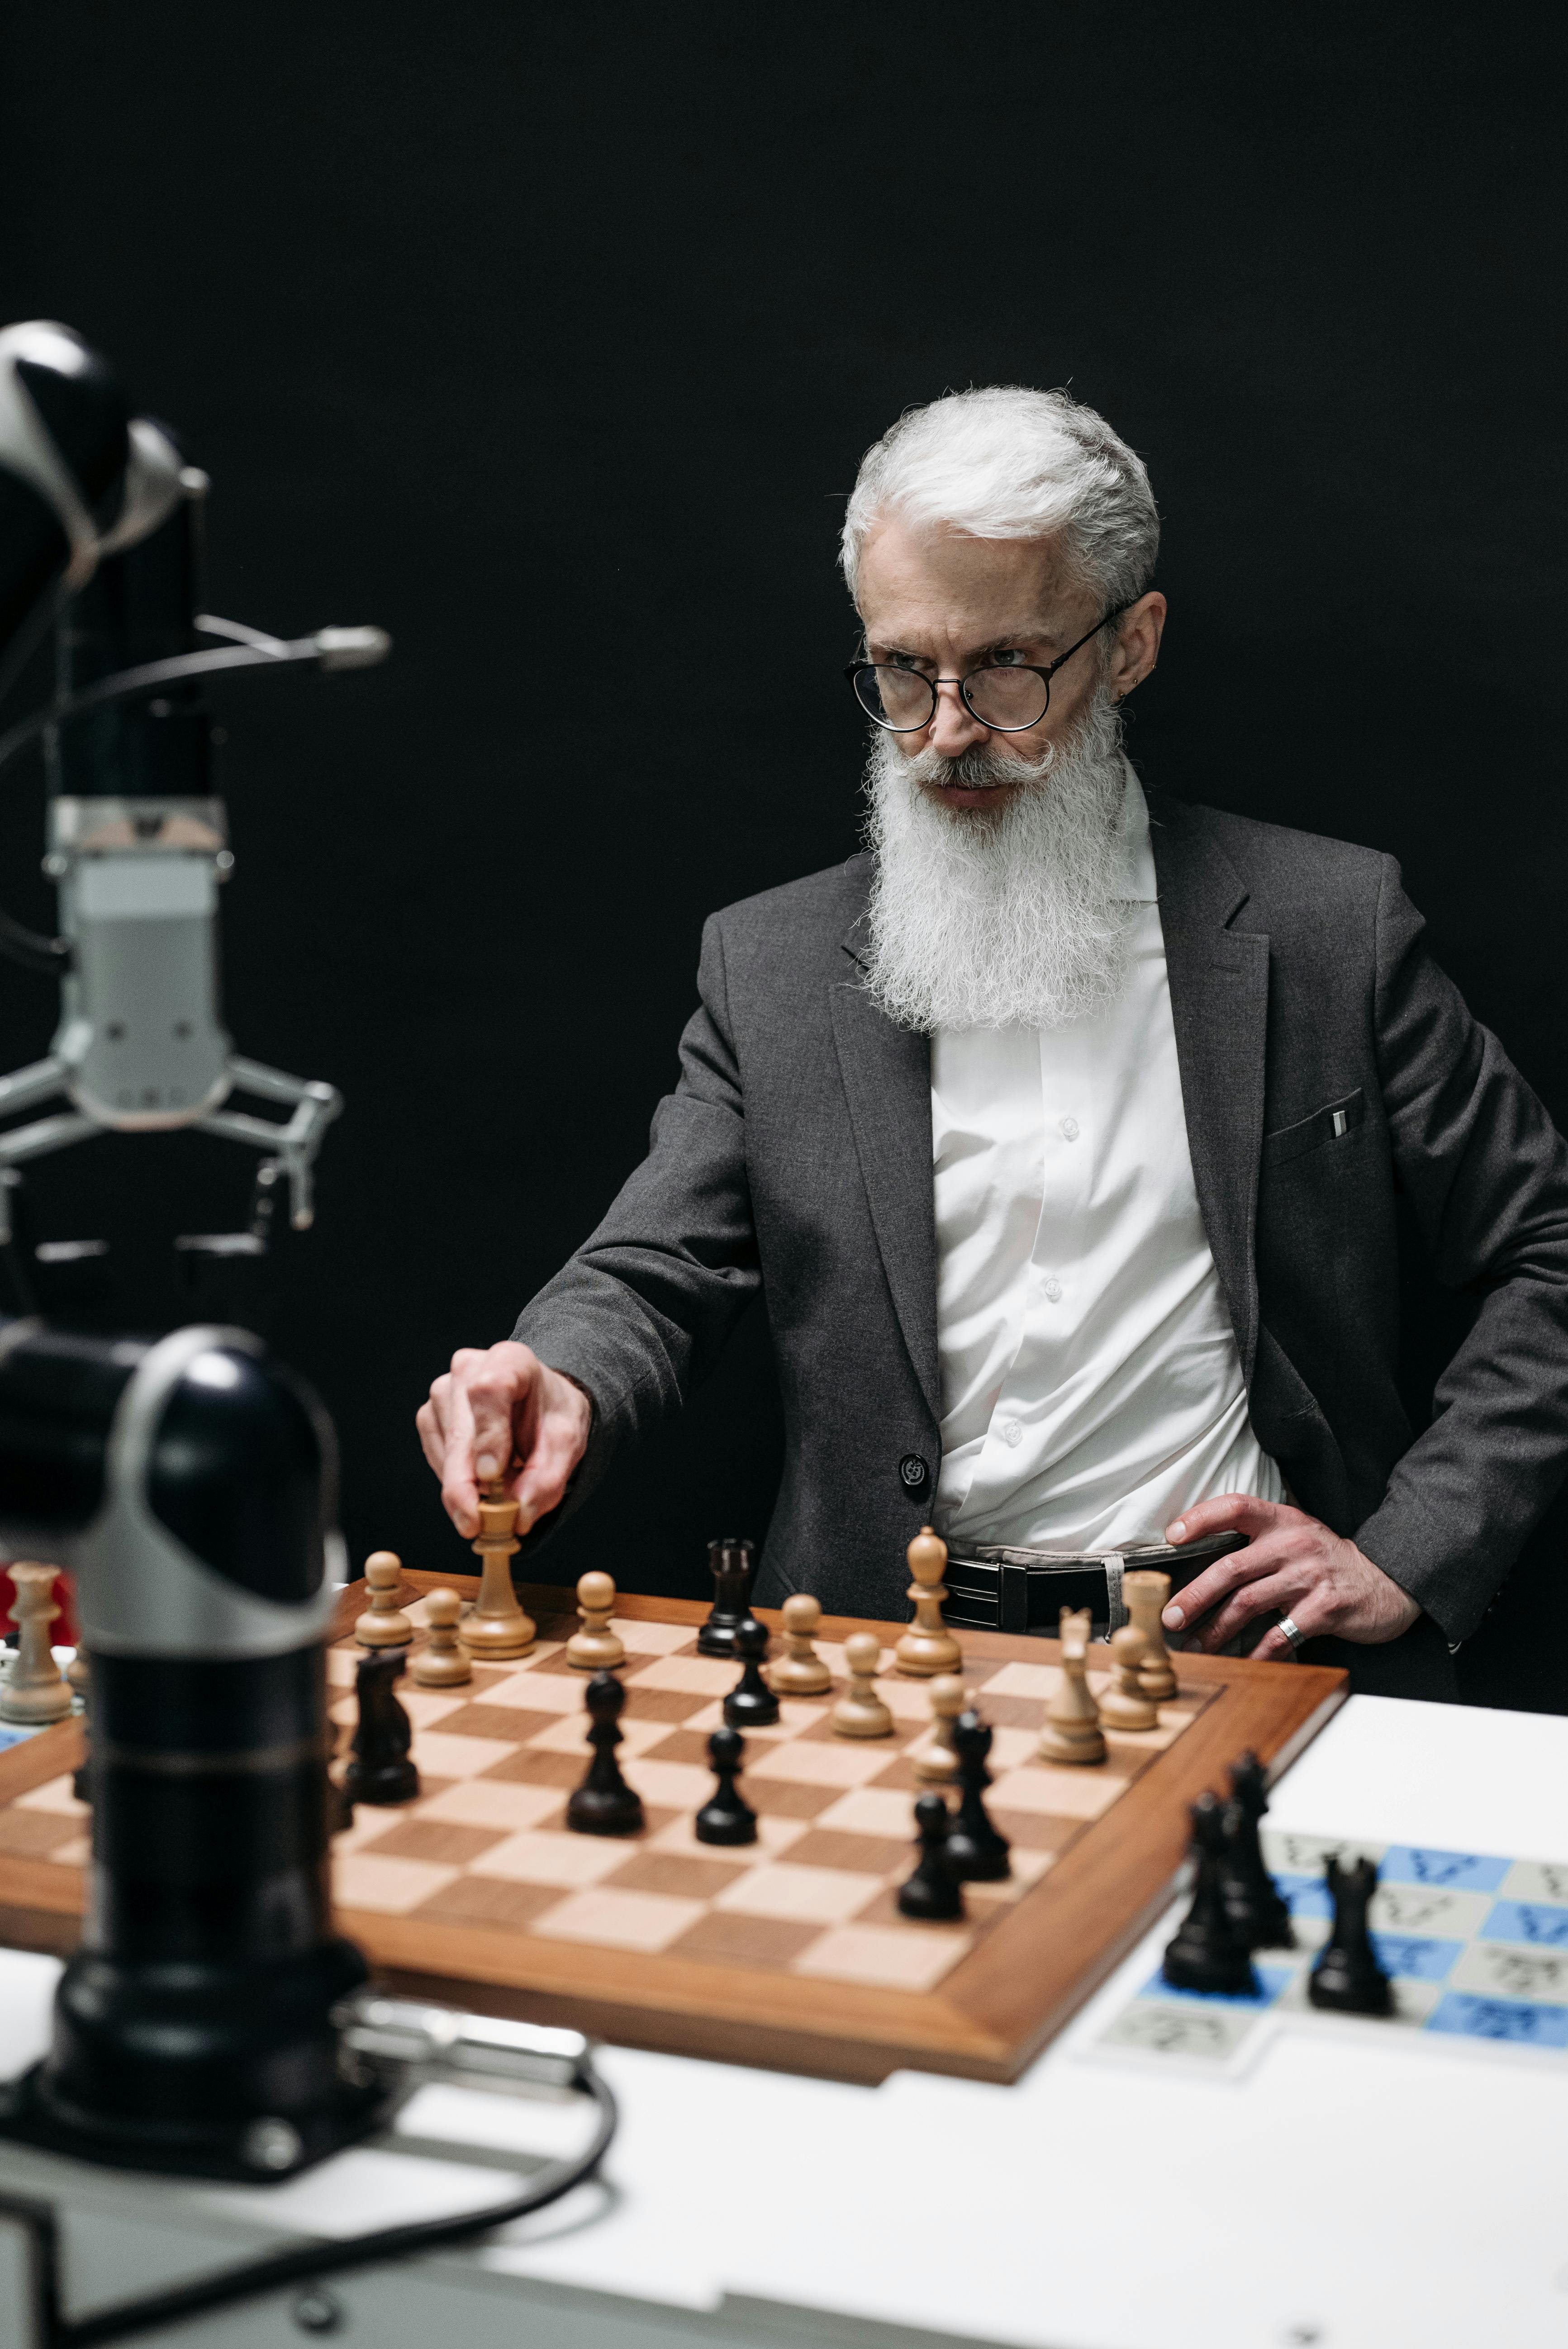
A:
x,y
1292,1632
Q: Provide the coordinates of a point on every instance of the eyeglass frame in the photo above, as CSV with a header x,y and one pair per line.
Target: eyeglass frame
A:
x,y
1020,668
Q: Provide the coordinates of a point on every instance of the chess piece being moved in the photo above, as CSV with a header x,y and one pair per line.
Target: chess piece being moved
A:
x,y
595,1648
34,1690
1146,1592
1123,1704
444,1661
733,1566
977,1852
498,1628
380,1768
1206,1954
751,1704
727,1817
1072,1732
928,1647
382,1622
935,1758
1252,1901
603,1804
933,1893
800,1671
1347,1978
859,1712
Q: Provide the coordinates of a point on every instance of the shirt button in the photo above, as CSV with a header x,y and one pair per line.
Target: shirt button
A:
x,y
1010,1432
1069,1129
1054,1291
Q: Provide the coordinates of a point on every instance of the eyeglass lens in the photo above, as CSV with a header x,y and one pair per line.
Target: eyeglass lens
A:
x,y
903,700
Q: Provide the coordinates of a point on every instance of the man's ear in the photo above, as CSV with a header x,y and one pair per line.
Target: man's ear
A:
x,y
1137,646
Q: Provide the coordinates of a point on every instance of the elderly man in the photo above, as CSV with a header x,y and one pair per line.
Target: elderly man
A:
x,y
1061,1131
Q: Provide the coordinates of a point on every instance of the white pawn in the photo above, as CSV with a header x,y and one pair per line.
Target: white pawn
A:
x,y
1123,1704
1072,1732
383,1623
35,1691
800,1671
935,1758
859,1712
595,1648
444,1661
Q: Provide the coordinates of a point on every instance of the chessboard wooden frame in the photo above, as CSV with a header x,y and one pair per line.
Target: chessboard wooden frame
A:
x,y
986,2018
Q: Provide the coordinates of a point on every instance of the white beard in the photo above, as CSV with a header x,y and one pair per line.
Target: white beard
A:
x,y
995,920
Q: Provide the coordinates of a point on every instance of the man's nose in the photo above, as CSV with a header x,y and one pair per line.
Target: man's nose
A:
x,y
954,727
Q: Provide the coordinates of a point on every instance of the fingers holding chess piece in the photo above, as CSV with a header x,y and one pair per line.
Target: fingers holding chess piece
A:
x,y
35,1691
382,1623
933,1893
498,1628
859,1712
800,1671
928,1647
1072,1732
727,1817
605,1803
444,1661
595,1648
1123,1704
1146,1592
751,1704
935,1757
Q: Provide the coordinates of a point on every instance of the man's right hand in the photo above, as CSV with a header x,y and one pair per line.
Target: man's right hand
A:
x,y
500,1411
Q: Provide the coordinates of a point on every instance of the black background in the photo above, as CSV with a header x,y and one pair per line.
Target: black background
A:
x,y
550,338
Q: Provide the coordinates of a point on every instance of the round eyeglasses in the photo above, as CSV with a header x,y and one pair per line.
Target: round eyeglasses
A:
x,y
1006,698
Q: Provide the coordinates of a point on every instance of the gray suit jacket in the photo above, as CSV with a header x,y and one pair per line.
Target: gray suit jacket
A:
x,y
795,1157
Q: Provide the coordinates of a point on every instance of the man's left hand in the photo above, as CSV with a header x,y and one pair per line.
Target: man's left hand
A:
x,y
1292,1564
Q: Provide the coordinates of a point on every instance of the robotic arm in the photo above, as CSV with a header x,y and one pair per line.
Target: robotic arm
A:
x,y
99,533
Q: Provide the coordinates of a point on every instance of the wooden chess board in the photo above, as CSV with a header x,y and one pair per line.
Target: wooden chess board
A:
x,y
790,1952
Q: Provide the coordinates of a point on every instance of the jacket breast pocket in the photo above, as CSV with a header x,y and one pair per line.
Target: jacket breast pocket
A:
x,y
1328,1124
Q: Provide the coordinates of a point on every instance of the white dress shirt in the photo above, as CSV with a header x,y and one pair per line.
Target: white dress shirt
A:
x,y
1091,1388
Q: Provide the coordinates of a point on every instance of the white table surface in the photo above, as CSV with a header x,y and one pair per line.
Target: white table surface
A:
x,y
1355,2189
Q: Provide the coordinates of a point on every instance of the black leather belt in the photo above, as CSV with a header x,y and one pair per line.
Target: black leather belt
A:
x,y
1025,1589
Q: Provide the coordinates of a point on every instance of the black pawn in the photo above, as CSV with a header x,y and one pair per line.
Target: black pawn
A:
x,y
1206,1954
380,1770
1347,1978
727,1817
733,1566
1258,1914
603,1804
976,1853
933,1893
751,1704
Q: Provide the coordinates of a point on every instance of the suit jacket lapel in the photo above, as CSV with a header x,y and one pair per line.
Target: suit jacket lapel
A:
x,y
1219,1002
886,1073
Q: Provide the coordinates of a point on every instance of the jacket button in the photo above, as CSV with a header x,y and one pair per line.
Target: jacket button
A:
x,y
913,1474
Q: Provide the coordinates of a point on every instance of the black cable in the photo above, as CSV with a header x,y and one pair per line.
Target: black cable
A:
x,y
275,2270
31,948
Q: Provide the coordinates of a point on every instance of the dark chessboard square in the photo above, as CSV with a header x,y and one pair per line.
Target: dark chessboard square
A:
x,y
490,1900
502,1721
1005,1712
682,1745
725,1939
862,1855
538,1767
673,1705
435,1840
1038,1830
557,1665
34,1835
785,1798
675,1873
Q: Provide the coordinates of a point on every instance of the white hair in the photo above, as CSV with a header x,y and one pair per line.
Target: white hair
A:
x,y
1008,462
988,917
